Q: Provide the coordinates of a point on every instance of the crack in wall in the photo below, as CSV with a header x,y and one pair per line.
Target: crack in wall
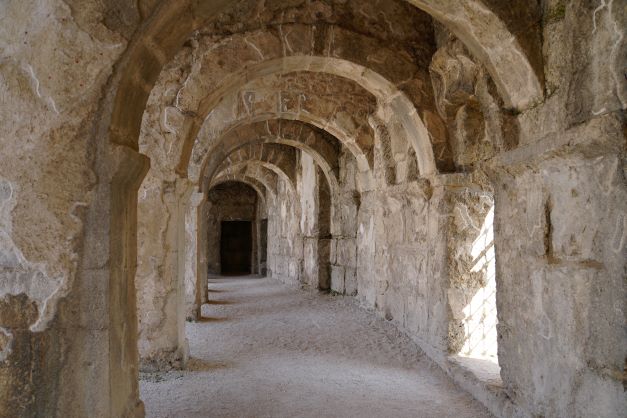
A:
x,y
614,26
37,88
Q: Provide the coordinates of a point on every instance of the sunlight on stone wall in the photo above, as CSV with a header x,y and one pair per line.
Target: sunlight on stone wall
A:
x,y
480,314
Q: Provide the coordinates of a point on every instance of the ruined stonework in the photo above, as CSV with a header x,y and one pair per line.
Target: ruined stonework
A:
x,y
457,166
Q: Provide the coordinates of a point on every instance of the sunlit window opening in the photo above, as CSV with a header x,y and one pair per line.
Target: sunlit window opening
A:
x,y
480,314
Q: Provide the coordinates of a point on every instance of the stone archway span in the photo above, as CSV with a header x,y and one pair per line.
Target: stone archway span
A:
x,y
257,185
221,64
257,172
244,163
234,168
394,106
323,148
282,157
275,153
267,99
173,21
362,162
489,39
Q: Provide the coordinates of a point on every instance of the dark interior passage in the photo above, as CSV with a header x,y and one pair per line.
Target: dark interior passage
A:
x,y
236,246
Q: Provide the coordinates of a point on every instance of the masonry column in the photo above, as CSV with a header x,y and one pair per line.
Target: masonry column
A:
x,y
195,245
60,355
160,275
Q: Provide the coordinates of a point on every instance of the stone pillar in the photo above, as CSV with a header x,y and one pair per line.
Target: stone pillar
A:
x,y
77,355
203,251
160,277
131,167
316,203
195,256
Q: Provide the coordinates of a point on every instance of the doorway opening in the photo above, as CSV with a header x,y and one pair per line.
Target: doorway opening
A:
x,y
236,247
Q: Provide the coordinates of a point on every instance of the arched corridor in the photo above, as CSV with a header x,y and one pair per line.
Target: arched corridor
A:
x,y
432,194
264,349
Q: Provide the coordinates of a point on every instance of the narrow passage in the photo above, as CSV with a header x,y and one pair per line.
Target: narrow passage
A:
x,y
265,349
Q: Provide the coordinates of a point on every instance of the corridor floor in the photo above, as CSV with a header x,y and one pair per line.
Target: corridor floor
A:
x,y
264,349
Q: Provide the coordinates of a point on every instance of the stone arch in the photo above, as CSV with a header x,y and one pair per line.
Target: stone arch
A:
x,y
257,185
281,157
256,172
323,148
393,105
280,174
380,68
173,21
255,102
487,36
387,74
270,151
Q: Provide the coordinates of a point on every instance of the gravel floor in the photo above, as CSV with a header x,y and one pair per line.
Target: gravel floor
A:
x,y
264,349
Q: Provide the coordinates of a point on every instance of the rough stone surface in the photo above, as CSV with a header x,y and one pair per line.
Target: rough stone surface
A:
x,y
451,164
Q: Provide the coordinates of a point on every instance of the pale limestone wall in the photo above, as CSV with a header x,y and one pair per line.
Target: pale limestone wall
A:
x,y
307,186
542,116
564,274
342,247
160,224
57,175
285,240
400,254
559,226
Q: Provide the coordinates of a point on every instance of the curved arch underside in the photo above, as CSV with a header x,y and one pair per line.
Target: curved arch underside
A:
x,y
283,157
243,164
323,148
342,111
258,172
174,21
253,182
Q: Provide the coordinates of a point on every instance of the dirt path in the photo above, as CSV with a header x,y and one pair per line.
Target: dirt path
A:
x,y
268,350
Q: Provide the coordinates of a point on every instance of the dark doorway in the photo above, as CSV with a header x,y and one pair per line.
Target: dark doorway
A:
x,y
236,247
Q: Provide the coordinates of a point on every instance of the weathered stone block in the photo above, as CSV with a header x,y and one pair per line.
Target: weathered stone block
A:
x,y
350,281
337,279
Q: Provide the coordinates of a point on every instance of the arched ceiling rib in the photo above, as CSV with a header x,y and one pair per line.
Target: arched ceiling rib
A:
x,y
257,185
323,148
254,171
173,22
317,100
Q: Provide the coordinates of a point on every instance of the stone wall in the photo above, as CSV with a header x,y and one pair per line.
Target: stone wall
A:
x,y
285,240
437,110
561,278
63,189
307,186
160,272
